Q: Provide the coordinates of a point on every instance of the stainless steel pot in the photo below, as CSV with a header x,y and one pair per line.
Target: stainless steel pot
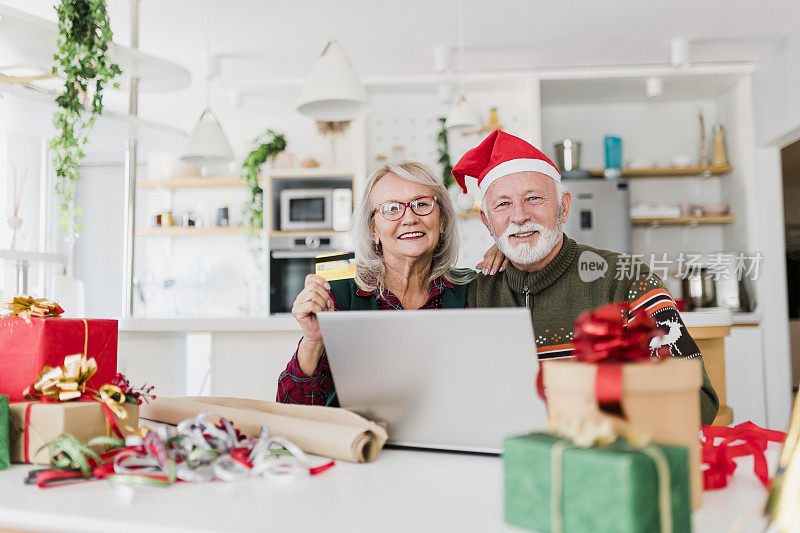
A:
x,y
699,289
568,154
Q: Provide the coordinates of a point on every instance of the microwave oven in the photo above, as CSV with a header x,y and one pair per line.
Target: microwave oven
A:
x,y
315,209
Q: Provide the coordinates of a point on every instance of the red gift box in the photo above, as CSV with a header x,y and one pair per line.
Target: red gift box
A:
x,y
27,348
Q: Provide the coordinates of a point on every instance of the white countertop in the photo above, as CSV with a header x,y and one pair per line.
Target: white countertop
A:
x,y
206,324
401,491
747,318
285,322
707,318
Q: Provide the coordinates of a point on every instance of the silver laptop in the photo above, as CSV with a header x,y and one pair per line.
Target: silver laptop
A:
x,y
454,379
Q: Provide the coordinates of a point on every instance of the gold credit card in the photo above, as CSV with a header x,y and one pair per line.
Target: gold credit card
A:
x,y
331,267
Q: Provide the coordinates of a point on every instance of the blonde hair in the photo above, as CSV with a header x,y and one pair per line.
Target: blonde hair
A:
x,y
370,268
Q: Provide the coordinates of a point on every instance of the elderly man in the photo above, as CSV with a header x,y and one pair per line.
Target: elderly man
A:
x,y
524,207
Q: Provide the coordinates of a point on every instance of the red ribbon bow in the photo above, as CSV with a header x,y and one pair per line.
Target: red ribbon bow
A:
x,y
604,336
720,457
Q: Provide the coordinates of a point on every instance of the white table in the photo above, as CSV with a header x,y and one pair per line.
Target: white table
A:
x,y
402,491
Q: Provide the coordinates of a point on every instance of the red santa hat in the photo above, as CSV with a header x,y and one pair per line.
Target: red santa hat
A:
x,y
501,154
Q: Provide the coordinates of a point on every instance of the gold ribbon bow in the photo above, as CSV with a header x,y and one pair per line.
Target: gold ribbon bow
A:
x,y
26,307
113,398
63,383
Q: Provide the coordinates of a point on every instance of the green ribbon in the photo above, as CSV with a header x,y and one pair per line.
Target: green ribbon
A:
x,y
68,453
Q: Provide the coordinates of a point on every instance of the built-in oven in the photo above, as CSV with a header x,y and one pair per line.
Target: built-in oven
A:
x,y
291,259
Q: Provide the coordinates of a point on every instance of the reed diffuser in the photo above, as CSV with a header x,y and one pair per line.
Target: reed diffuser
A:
x,y
18,178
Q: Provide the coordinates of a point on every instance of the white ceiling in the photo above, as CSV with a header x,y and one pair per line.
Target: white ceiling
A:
x,y
281,39
393,36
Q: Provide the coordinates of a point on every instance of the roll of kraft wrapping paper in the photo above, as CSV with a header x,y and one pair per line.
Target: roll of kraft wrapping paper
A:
x,y
325,431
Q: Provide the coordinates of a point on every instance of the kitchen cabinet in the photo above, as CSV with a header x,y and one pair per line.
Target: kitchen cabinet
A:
x,y
711,342
745,377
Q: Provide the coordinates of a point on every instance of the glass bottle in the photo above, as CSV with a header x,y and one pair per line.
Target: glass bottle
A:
x,y
719,159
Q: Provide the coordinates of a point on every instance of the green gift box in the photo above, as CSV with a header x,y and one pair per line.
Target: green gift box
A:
x,y
551,485
4,444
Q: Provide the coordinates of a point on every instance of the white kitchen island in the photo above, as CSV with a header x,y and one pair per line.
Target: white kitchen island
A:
x,y
239,357
244,356
403,490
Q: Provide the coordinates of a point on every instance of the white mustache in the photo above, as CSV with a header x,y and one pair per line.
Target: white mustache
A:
x,y
513,228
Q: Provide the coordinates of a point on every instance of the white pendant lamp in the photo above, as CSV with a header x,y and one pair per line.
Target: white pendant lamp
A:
x,y
207,143
332,92
461,117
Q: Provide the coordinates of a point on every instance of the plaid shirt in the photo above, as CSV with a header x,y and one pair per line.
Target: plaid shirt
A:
x,y
296,387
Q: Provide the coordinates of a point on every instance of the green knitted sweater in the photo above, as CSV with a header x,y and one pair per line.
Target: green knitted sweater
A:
x,y
557,294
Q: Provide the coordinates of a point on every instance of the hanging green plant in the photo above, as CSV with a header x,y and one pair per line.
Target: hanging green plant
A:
x,y
84,35
443,145
268,146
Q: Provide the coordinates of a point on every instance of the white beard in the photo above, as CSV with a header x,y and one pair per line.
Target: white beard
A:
x,y
526,253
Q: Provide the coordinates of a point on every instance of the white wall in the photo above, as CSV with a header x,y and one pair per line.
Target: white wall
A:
x,y
775,103
776,110
25,130
654,131
734,111
407,118
771,287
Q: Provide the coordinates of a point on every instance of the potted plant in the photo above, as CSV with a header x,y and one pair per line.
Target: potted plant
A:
x,y
83,59
267,147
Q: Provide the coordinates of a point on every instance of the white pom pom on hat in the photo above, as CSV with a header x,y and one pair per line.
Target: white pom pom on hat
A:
x,y
465,201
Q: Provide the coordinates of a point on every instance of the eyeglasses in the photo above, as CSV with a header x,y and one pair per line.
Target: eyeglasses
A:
x,y
395,210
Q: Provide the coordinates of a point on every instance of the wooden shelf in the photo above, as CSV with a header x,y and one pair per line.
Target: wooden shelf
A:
x,y
668,172
472,213
721,219
191,183
305,233
180,231
310,173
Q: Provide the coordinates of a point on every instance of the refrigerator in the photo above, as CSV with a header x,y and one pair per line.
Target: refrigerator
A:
x,y
600,213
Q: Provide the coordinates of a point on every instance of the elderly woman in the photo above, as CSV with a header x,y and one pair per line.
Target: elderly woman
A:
x,y
406,239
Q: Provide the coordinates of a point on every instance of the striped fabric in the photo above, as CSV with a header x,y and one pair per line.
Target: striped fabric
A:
x,y
650,295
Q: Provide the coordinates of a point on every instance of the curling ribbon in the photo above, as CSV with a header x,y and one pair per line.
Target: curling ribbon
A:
x,y
195,451
71,459
720,457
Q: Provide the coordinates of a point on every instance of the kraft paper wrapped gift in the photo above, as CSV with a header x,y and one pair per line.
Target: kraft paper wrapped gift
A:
x,y
27,348
326,431
660,399
84,420
612,489
4,442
